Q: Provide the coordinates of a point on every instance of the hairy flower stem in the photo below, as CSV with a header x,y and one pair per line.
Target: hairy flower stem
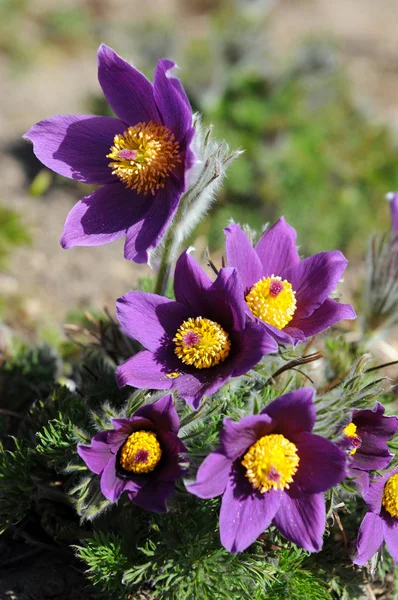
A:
x,y
170,250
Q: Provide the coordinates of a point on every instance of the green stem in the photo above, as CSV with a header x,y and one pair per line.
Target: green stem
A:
x,y
168,254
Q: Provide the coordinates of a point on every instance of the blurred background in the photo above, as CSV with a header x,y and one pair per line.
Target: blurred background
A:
x,y
309,88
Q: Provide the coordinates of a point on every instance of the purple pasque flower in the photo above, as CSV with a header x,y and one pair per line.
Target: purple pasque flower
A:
x,y
380,523
290,296
140,158
365,438
270,468
142,455
196,342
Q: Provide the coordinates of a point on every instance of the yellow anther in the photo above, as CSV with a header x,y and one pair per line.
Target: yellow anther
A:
x,y
201,343
390,496
271,463
351,432
273,301
141,452
144,156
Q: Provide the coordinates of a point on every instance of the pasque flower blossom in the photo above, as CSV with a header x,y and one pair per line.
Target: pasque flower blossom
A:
x,y
142,455
270,468
380,524
291,297
195,343
140,158
365,438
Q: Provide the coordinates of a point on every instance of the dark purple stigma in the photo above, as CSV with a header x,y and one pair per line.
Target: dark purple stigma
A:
x,y
273,475
127,154
141,456
275,288
191,338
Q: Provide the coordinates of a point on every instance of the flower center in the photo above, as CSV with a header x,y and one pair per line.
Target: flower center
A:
x,y
351,432
273,301
390,496
201,343
271,463
144,156
141,452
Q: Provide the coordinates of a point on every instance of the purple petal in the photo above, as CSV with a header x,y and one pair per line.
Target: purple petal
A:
x,y
146,234
313,280
153,495
171,100
245,513
190,282
393,197
225,302
302,520
277,249
112,486
242,256
328,314
116,439
143,370
103,216
125,427
212,476
175,455
148,317
256,342
373,454
370,538
193,386
97,455
374,421
236,438
373,496
390,531
322,464
189,158
128,92
76,146
162,413
293,412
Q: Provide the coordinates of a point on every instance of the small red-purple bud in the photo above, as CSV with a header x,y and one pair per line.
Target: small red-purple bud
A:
x,y
273,475
191,338
141,456
275,288
127,154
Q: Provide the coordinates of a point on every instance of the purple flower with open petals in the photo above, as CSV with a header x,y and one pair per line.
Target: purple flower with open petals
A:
x,y
140,158
270,468
142,455
195,343
290,296
365,438
380,524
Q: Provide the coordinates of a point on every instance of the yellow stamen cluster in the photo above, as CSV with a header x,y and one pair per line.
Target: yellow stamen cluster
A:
x,y
351,432
141,452
273,301
201,343
271,463
144,156
390,496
